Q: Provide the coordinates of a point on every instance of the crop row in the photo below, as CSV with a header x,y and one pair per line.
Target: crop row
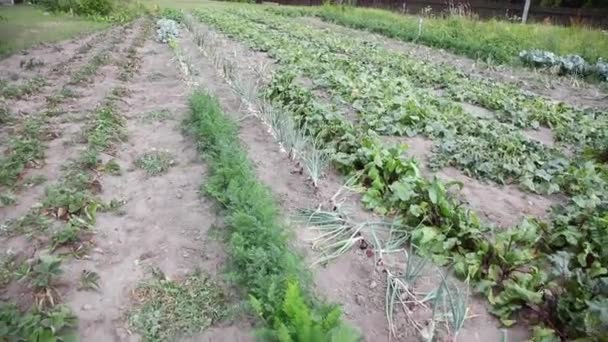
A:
x,y
554,269
395,95
491,40
64,219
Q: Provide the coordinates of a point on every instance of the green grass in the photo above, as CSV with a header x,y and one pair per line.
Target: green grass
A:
x,y
500,41
27,26
169,309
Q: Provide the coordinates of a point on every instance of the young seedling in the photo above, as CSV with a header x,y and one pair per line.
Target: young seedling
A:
x,y
89,281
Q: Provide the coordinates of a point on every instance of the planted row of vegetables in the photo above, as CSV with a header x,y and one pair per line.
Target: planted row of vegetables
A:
x,y
395,95
553,269
491,40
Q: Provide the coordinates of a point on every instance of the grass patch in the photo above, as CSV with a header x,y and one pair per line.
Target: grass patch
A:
x,y
262,260
27,26
155,163
168,309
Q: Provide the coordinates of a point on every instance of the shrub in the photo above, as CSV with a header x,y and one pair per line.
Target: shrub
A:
x,y
80,7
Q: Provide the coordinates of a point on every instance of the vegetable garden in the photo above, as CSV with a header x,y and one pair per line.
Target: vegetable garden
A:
x,y
292,121
554,267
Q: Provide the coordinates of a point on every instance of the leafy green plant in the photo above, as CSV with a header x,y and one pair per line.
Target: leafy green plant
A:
x,y
44,272
56,324
173,14
24,148
298,323
391,96
89,280
69,234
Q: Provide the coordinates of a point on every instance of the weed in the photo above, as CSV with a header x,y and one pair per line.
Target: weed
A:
x,y
89,281
158,115
115,206
7,198
29,223
120,92
5,114
112,167
155,163
8,266
170,308
32,63
34,180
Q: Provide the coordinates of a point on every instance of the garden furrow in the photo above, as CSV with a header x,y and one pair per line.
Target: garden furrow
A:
x,y
158,234
61,225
